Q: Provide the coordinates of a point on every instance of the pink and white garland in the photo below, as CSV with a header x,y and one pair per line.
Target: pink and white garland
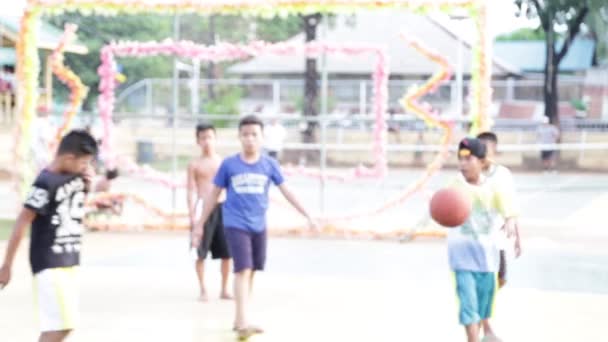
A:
x,y
230,52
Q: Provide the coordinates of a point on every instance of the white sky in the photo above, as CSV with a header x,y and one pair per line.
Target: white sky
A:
x,y
502,15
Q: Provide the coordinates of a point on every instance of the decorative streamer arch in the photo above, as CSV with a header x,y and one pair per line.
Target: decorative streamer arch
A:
x,y
28,62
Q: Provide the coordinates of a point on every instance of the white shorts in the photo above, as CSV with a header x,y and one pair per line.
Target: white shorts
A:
x,y
56,293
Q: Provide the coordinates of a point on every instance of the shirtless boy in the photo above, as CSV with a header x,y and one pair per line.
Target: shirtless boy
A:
x,y
201,172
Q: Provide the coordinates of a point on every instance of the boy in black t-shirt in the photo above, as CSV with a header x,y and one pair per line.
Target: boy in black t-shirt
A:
x,y
54,208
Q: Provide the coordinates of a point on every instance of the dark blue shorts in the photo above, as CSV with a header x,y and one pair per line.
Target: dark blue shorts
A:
x,y
248,249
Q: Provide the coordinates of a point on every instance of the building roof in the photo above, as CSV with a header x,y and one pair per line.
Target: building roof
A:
x,y
529,55
382,28
48,35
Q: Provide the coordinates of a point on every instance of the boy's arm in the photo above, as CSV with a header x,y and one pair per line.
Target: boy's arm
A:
x,y
291,198
517,246
24,220
209,203
189,193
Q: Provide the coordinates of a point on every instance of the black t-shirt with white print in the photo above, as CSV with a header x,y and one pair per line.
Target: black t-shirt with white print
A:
x,y
58,200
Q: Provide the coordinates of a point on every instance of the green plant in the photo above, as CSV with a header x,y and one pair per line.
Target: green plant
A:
x,y
226,103
579,105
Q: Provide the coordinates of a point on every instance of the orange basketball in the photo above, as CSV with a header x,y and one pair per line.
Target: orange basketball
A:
x,y
450,207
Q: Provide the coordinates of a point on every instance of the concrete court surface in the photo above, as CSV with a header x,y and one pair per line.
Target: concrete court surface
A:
x,y
141,287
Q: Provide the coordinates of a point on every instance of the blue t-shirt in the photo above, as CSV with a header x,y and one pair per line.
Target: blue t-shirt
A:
x,y
247,191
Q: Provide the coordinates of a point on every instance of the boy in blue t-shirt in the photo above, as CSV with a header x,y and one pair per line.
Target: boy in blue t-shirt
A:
x,y
246,177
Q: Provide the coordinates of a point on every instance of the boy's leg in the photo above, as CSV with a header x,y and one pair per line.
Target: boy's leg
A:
x,y
472,332
466,291
56,295
225,276
202,251
241,246
502,269
241,292
486,292
251,283
199,265
259,244
54,336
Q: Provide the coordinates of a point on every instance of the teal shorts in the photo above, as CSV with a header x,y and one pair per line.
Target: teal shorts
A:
x,y
476,291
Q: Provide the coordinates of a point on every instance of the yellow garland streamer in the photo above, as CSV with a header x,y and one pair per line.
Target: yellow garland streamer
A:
x,y
78,91
27,91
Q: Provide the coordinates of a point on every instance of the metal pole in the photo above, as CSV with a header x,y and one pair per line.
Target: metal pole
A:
x,y
149,97
362,98
459,82
174,111
510,89
324,93
276,96
196,84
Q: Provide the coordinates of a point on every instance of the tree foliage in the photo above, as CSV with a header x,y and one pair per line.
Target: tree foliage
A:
x,y
96,31
557,16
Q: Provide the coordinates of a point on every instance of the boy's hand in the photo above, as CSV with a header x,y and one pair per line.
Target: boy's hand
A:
x,y
88,176
197,236
517,247
510,228
5,276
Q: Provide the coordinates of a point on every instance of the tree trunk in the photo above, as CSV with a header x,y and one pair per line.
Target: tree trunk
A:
x,y
550,81
311,77
211,65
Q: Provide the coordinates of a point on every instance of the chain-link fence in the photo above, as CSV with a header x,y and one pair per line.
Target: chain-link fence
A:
x,y
353,96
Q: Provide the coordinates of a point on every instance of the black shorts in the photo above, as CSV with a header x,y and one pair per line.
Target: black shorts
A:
x,y
214,238
547,154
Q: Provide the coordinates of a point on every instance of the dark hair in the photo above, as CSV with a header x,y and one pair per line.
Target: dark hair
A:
x,y
79,143
251,120
474,146
488,136
111,174
204,127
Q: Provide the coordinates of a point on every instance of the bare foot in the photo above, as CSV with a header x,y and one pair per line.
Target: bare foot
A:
x,y
226,296
491,338
203,297
245,333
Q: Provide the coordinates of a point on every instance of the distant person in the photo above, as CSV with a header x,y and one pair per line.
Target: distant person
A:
x,y
201,172
274,137
502,178
548,134
113,205
393,125
44,134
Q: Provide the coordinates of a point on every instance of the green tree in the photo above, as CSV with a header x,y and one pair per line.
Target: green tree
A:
x,y
523,34
97,31
555,15
597,26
